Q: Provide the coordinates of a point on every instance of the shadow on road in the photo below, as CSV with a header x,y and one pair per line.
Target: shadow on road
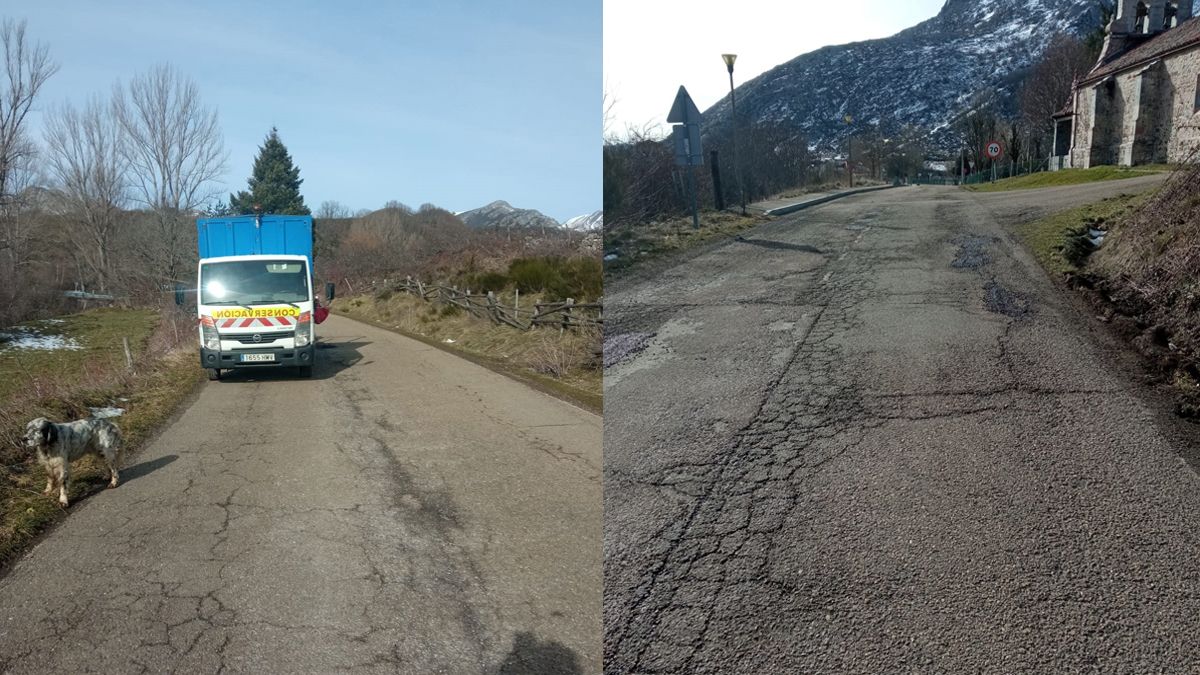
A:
x,y
138,470
333,356
767,243
535,657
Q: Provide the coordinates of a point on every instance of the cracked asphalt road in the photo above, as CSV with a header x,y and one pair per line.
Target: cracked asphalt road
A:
x,y
873,437
404,511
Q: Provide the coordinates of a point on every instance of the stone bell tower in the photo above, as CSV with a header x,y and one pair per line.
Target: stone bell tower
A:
x,y
1137,20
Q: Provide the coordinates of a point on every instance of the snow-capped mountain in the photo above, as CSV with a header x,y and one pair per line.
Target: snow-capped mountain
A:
x,y
591,221
925,75
502,215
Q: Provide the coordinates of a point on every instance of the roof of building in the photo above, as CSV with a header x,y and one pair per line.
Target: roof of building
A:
x,y
1067,111
1186,34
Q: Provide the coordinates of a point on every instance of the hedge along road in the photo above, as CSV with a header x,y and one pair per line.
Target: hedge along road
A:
x,y
404,510
874,437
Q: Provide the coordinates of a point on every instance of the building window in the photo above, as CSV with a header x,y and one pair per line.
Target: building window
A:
x,y
1197,106
1141,20
1170,15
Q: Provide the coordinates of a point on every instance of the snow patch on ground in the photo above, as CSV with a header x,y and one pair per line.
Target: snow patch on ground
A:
x,y
24,337
106,412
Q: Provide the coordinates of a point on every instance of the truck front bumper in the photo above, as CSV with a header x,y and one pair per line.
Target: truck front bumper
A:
x,y
292,356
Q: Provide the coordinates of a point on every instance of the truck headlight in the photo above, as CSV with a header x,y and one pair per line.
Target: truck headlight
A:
x,y
304,330
208,334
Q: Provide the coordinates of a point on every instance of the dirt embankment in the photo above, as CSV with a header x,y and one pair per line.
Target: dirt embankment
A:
x,y
1145,279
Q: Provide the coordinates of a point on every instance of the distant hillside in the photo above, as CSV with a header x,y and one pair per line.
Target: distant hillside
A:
x,y
502,215
925,75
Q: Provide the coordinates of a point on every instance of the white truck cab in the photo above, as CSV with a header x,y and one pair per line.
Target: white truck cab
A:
x,y
255,311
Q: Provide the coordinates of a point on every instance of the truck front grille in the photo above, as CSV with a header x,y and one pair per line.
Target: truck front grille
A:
x,y
264,337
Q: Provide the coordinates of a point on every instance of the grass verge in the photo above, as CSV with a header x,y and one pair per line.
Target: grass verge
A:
x,y
562,363
1049,237
1068,177
637,245
63,384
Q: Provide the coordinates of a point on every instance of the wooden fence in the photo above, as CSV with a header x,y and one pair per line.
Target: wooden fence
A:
x,y
564,315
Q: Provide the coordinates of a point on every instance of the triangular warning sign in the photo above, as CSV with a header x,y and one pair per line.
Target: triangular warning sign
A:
x,y
683,111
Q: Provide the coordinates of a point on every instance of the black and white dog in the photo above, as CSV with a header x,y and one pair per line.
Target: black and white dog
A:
x,y
59,444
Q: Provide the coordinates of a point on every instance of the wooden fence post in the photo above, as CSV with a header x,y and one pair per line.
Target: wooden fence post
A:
x,y
566,312
128,354
493,312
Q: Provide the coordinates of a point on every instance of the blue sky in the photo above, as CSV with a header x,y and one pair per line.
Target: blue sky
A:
x,y
453,103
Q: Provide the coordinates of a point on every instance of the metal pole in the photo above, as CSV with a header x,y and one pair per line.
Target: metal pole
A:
x,y
737,165
692,190
850,159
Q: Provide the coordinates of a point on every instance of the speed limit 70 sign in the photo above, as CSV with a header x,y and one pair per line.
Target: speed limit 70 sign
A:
x,y
994,150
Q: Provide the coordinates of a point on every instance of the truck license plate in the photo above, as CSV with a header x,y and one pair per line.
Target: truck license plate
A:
x,y
257,357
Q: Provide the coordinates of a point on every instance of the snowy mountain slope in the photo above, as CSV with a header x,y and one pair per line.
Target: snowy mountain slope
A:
x,y
925,75
591,221
501,215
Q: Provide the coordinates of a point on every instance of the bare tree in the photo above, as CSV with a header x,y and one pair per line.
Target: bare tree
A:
x,y
26,69
20,221
175,153
332,210
977,127
1048,88
90,169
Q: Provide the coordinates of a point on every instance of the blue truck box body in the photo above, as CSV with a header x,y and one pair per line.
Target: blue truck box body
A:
x,y
255,235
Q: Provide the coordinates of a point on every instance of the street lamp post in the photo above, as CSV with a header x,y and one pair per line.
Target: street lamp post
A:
x,y
849,151
737,167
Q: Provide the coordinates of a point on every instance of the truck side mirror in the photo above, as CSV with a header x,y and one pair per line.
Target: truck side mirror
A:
x,y
179,294
329,292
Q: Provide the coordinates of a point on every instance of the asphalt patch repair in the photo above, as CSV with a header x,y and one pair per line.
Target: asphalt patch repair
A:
x,y
972,251
1001,300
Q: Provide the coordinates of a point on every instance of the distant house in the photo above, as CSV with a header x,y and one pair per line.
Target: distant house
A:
x,y
1140,104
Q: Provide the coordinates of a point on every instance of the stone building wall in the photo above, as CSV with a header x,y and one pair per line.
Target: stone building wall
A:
x,y
1145,115
1085,105
1183,128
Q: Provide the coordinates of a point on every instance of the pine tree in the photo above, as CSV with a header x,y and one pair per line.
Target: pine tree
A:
x,y
275,184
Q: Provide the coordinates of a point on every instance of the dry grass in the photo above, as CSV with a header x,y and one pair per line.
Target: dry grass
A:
x,y
638,244
62,385
566,356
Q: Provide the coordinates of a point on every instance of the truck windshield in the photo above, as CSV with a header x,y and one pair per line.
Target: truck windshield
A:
x,y
253,282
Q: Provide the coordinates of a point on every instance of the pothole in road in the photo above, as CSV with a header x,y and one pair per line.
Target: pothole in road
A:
x,y
1001,300
972,251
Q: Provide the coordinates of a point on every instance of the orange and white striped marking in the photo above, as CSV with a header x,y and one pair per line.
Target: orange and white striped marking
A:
x,y
268,321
